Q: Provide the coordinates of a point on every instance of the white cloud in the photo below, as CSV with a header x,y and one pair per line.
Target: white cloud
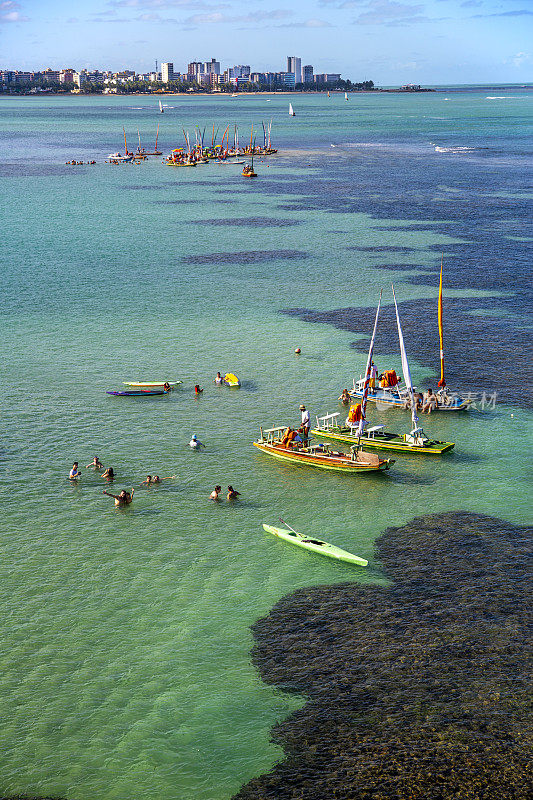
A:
x,y
217,18
309,23
519,59
9,12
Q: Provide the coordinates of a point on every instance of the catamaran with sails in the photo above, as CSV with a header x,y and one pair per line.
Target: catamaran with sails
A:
x,y
385,389
354,430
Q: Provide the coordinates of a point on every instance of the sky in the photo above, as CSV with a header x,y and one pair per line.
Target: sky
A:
x,y
391,42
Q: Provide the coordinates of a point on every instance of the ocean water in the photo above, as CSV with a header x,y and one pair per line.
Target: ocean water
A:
x,y
125,664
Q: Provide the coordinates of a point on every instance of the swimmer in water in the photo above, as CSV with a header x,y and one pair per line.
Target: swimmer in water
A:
x,y
74,473
219,380
232,494
156,479
122,499
215,493
195,443
109,474
95,464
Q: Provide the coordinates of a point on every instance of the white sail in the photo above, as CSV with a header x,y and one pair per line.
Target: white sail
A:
x,y
291,110
405,365
160,107
368,373
345,95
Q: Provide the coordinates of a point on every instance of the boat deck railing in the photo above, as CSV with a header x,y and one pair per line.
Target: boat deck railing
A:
x,y
272,435
328,421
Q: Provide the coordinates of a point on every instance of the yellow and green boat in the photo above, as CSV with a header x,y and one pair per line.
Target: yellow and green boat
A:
x,y
377,438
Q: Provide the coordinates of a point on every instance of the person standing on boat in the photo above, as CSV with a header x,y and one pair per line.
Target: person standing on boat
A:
x,y
306,422
373,376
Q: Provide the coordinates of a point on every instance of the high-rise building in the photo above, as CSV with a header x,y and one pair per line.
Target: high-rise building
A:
x,y
212,67
194,70
288,79
167,71
308,73
240,72
294,65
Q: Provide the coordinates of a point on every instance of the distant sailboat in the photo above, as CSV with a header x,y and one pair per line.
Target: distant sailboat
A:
x,y
345,95
161,110
291,111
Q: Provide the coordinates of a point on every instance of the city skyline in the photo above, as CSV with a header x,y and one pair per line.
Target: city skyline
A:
x,y
388,41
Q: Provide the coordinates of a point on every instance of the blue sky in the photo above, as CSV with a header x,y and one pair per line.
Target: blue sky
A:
x,y
388,41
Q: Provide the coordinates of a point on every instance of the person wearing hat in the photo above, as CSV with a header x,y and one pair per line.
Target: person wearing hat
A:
x,y
306,422
195,443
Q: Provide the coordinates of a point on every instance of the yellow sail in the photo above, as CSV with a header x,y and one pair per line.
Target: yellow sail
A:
x,y
442,381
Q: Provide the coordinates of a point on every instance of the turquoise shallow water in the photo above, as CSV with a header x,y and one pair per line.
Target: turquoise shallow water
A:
x,y
125,665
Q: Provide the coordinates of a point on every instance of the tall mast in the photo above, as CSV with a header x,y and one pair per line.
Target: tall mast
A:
x,y
156,135
125,143
442,381
368,372
405,365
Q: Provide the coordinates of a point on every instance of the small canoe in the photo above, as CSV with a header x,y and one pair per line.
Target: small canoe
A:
x,y
231,380
138,393
151,384
316,545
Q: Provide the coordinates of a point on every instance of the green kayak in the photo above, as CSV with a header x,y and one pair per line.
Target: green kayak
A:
x,y
315,545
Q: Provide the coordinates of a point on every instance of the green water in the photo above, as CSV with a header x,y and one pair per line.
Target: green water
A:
x,y
125,668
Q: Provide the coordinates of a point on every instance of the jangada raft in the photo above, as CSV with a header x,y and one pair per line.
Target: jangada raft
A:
x,y
396,397
377,438
272,442
355,432
389,393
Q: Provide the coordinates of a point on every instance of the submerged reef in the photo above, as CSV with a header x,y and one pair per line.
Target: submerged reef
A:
x,y
420,689
474,339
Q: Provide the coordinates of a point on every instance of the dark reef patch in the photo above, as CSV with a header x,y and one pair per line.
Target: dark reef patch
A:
x,y
172,202
249,222
148,187
246,257
36,170
383,248
474,343
418,690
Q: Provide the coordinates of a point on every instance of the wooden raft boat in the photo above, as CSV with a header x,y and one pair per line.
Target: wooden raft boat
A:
x,y
377,438
319,455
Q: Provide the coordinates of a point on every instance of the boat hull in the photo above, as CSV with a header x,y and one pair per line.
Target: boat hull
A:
x,y
385,398
385,441
151,384
322,461
316,546
139,393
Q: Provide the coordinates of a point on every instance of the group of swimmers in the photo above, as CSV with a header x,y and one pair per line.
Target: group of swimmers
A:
x,y
125,497
232,493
